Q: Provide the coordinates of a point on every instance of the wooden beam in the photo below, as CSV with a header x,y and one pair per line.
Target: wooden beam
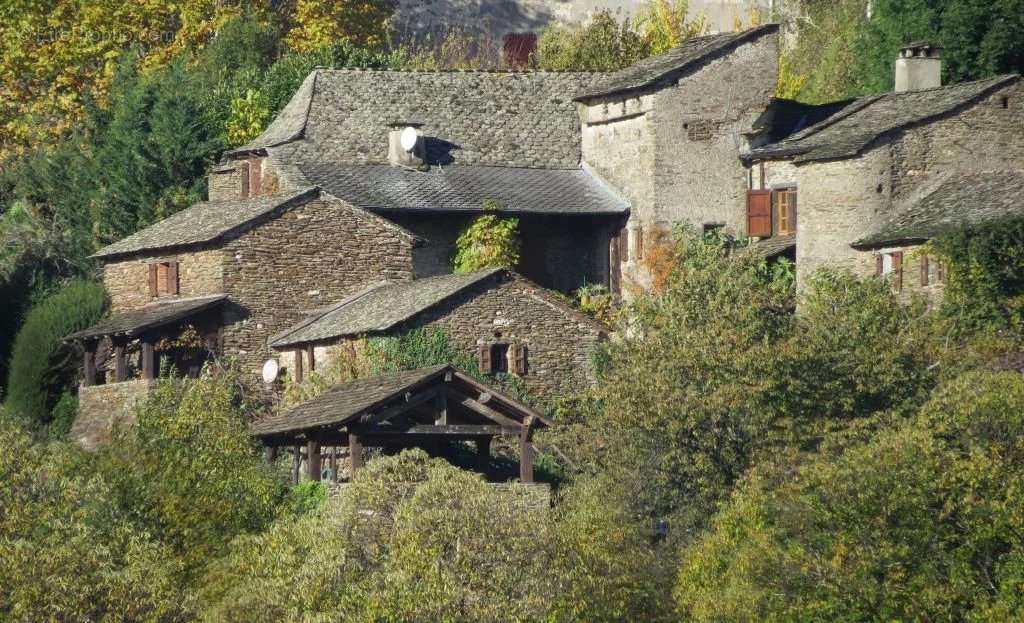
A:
x,y
477,407
148,359
89,364
427,429
312,460
355,453
411,400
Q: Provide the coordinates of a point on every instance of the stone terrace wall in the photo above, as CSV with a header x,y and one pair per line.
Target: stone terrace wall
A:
x,y
523,119
199,273
560,341
101,408
310,256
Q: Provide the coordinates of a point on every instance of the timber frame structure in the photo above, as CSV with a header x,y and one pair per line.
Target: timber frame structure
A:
x,y
428,407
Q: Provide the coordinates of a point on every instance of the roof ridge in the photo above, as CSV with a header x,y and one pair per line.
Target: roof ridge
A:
x,y
479,70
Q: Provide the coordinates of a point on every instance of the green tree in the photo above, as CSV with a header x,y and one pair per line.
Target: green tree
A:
x,y
603,44
42,366
490,241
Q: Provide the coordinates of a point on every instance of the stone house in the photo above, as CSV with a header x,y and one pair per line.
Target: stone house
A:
x,y
508,324
878,175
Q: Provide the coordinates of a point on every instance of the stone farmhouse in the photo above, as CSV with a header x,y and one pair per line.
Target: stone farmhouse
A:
x,y
339,222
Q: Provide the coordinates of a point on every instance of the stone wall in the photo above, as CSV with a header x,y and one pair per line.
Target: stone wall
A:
x,y
310,256
102,408
199,273
985,136
560,341
224,183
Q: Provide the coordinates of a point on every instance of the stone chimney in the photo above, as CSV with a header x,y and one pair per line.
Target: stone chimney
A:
x,y
411,155
919,66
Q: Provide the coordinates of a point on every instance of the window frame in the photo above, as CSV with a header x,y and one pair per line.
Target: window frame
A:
x,y
789,191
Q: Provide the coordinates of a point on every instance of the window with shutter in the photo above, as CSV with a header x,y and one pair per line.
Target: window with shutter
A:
x,y
879,264
255,176
638,246
785,211
759,213
519,359
940,272
924,270
243,173
499,357
153,291
624,245
897,269
483,359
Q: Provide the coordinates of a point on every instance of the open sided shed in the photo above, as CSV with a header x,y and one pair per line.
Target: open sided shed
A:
x,y
416,408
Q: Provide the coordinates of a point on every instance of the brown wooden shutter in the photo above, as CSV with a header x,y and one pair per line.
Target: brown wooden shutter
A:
x,y
924,270
519,359
897,269
792,211
172,277
243,172
940,272
639,243
624,245
255,176
152,280
759,213
483,358
879,264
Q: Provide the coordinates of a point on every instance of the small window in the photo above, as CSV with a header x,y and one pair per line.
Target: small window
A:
x,y
499,357
785,211
1004,102
891,264
163,278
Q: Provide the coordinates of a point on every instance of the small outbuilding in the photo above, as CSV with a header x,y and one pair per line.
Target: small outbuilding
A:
x,y
427,408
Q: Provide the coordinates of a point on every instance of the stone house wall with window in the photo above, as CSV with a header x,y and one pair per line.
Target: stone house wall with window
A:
x,y
306,258
911,272
128,281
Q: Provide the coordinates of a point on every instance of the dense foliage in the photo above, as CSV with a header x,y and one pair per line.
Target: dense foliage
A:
x,y
490,241
42,365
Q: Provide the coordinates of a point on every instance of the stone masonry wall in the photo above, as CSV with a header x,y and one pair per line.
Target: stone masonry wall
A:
x,y
985,136
102,408
560,341
199,273
310,256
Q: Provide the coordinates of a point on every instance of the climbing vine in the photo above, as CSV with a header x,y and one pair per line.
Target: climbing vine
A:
x,y
490,241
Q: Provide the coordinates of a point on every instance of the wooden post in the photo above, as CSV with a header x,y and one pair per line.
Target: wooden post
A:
x,y
296,461
298,366
526,451
89,377
312,460
270,453
355,452
120,361
312,358
148,359
483,455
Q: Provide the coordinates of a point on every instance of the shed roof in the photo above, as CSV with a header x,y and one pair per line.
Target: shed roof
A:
x,y
350,401
151,316
205,222
670,64
953,202
855,126
772,247
464,188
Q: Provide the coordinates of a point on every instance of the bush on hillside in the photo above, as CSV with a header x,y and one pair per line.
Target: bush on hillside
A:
x,y
42,366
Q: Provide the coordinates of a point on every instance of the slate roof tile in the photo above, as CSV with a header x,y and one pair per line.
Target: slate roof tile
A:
x,y
856,125
151,316
953,202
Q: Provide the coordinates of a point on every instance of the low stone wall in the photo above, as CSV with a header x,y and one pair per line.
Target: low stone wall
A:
x,y
103,407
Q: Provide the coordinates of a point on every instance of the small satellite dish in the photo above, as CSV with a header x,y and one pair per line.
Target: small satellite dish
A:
x,y
271,371
409,138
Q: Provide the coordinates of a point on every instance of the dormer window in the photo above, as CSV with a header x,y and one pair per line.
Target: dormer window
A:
x,y
163,278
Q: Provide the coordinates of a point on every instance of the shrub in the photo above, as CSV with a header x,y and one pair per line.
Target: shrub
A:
x,y
603,44
42,366
418,348
490,241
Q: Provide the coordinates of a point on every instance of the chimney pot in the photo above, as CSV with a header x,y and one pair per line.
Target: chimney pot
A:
x,y
398,156
918,67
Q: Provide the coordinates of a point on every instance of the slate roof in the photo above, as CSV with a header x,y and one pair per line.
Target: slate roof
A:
x,y
956,201
204,222
344,402
151,316
785,117
379,307
496,118
772,247
856,125
464,188
670,64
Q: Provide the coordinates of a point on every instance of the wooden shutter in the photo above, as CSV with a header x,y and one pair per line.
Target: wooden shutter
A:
x,y
172,277
639,243
483,358
255,176
940,272
519,359
243,172
879,264
924,270
759,213
897,269
624,245
152,280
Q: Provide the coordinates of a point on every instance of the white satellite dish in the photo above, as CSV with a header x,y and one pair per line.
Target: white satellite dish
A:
x,y
271,371
409,138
